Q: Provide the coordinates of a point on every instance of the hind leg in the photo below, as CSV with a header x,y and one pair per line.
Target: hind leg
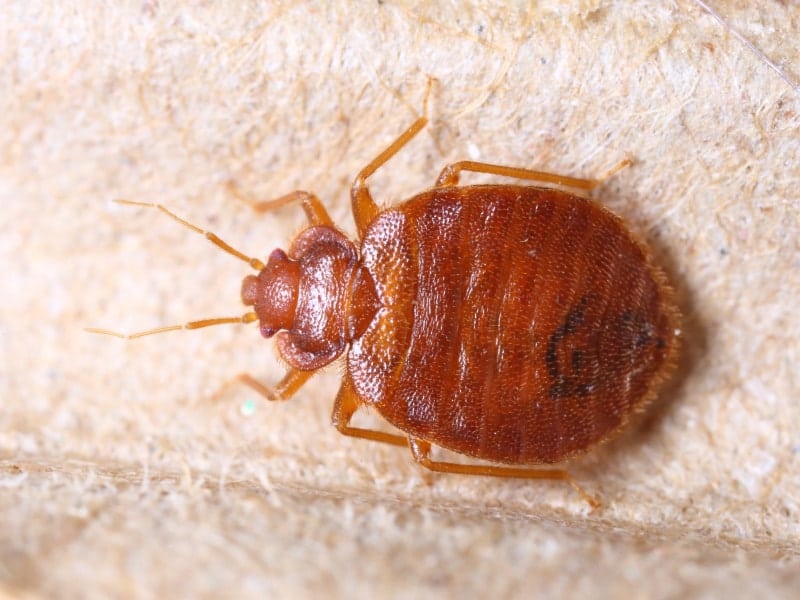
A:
x,y
421,451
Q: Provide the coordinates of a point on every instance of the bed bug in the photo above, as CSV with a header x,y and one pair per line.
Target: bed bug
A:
x,y
519,325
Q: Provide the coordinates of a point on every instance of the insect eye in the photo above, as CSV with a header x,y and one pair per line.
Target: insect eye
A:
x,y
268,332
278,255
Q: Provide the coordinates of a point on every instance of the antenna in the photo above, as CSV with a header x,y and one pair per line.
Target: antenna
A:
x,y
210,236
214,239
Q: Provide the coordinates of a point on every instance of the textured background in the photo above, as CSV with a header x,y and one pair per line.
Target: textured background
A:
x,y
127,468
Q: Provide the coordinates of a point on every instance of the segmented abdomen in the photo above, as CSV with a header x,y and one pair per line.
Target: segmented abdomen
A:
x,y
519,325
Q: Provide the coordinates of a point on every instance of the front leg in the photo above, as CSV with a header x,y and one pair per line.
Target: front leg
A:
x,y
283,390
315,211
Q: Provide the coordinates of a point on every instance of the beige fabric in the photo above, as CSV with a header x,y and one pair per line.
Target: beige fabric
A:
x,y
124,472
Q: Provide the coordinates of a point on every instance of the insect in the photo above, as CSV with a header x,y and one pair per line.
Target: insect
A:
x,y
517,325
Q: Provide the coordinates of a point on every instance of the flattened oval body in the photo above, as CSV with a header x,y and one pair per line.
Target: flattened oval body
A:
x,y
517,324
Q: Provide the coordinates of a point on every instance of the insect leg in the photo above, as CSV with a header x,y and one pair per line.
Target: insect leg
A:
x,y
315,211
284,390
451,174
364,207
421,450
346,405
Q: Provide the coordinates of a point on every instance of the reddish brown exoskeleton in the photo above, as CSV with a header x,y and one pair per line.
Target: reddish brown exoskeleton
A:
x,y
519,325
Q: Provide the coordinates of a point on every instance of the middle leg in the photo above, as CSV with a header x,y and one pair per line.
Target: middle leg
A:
x,y
343,410
364,207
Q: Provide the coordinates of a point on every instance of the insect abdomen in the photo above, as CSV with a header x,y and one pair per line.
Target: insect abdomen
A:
x,y
527,323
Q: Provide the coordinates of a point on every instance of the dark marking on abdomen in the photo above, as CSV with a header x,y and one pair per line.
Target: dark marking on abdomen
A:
x,y
573,378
